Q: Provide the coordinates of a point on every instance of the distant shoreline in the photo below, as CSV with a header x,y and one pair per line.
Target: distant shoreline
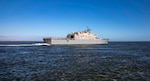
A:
x,y
21,41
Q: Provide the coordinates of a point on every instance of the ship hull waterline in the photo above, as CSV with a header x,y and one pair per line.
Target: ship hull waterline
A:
x,y
74,42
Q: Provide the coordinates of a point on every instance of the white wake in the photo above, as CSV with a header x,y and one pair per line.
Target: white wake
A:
x,y
35,44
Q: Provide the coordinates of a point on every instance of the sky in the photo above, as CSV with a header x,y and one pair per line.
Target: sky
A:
x,y
117,20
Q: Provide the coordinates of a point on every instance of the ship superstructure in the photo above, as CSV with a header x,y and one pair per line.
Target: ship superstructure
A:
x,y
85,35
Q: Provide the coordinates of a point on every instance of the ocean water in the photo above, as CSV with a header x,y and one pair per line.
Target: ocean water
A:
x,y
117,61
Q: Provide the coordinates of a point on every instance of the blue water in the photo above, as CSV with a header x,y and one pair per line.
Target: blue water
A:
x,y
117,61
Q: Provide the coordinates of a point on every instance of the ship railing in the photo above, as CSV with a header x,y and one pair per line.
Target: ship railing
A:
x,y
59,38
105,39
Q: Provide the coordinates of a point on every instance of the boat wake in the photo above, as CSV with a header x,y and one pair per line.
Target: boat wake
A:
x,y
35,44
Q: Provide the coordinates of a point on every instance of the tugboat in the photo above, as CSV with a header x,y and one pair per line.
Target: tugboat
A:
x,y
77,38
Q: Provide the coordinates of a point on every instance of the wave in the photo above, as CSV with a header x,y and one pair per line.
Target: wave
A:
x,y
94,48
35,44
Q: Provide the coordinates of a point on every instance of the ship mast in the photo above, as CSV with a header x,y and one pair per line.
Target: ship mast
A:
x,y
88,29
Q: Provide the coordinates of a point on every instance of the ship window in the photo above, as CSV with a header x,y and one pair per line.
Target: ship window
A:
x,y
72,36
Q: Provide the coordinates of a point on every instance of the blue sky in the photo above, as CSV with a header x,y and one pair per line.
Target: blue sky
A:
x,y
118,20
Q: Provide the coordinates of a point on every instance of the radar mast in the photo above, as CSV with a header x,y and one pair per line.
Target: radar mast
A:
x,y
88,29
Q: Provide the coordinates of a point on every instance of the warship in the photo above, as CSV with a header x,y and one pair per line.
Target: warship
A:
x,y
77,38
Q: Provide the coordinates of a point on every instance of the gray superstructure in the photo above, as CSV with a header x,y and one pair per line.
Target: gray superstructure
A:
x,y
77,38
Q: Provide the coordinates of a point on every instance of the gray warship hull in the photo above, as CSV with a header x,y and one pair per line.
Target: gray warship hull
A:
x,y
52,41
